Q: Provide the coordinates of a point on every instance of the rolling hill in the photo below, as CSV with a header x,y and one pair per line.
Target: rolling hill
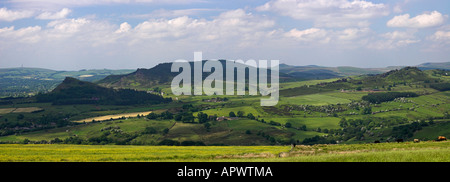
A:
x,y
161,74
379,82
73,91
428,66
20,82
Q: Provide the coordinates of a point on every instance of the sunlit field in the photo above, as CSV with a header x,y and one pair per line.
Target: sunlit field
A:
x,y
381,152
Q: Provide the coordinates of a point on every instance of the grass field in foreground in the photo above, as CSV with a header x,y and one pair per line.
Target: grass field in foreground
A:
x,y
382,152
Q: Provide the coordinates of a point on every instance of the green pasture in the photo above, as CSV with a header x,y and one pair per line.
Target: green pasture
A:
x,y
310,122
313,99
287,85
89,130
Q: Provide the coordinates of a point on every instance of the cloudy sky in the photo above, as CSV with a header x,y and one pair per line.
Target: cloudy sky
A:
x,y
115,34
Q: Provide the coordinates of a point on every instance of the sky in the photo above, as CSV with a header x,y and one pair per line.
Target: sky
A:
x,y
130,34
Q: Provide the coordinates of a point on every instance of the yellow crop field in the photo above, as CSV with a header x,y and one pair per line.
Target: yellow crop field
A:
x,y
118,153
383,152
19,110
114,116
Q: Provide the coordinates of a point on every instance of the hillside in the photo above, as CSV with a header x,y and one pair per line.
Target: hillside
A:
x,y
428,66
73,91
141,78
380,82
19,82
320,72
161,75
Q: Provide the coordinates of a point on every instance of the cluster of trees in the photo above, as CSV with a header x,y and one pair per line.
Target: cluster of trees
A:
x,y
163,115
185,117
242,114
267,137
26,124
318,140
83,95
274,140
386,96
151,130
330,110
354,129
359,129
190,108
440,86
169,142
407,131
109,135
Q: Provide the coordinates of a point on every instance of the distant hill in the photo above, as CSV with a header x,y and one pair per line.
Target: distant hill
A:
x,y
320,72
29,81
160,74
380,82
48,74
74,91
141,78
428,66
312,71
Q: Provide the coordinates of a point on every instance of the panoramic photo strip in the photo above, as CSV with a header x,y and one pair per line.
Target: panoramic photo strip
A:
x,y
211,90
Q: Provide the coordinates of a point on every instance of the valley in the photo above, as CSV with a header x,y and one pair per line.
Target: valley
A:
x,y
329,111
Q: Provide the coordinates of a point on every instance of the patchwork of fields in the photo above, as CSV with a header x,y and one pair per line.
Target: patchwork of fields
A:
x,y
237,128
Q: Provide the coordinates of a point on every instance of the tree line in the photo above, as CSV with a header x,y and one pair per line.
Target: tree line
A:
x,y
377,98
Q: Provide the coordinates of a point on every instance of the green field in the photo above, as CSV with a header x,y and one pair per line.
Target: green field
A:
x,y
383,152
314,99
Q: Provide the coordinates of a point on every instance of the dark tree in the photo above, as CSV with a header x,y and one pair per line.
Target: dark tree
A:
x,y
240,113
288,125
232,114
202,117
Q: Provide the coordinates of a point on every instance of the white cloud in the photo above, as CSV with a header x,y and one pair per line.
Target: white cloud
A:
x,y
351,34
308,35
234,23
10,15
124,27
440,37
398,35
243,28
23,35
52,16
164,13
81,31
67,26
328,13
348,38
420,21
399,6
394,40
